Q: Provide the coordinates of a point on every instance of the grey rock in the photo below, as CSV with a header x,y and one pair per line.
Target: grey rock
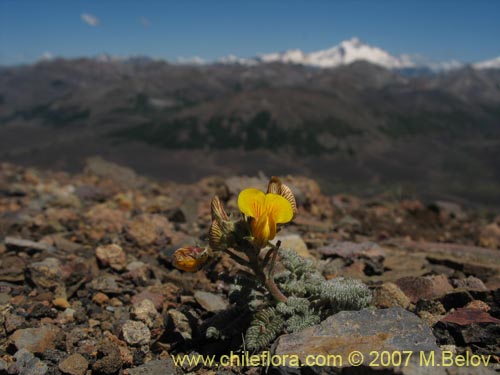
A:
x,y
3,366
47,273
110,361
145,311
136,333
126,177
19,243
75,364
106,284
36,340
365,331
369,252
210,301
27,364
157,367
112,255
181,323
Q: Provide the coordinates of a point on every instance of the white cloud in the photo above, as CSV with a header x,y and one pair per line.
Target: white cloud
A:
x,y
145,22
90,19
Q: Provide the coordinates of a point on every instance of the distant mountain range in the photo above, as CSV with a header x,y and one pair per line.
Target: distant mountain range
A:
x,y
354,126
345,53
350,51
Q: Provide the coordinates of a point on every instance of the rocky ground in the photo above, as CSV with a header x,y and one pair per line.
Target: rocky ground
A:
x,y
87,285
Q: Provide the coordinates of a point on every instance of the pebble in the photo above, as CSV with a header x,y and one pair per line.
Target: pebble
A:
x,y
47,273
478,305
27,364
440,285
36,340
294,242
100,298
389,295
156,298
181,323
112,255
110,358
490,236
13,322
136,333
106,284
210,301
61,302
470,283
145,311
75,364
147,229
156,367
416,288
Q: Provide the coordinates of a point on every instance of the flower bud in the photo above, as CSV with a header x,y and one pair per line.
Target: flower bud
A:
x,y
190,258
275,186
218,212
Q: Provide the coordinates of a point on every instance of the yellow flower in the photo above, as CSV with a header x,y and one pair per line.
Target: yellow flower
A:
x,y
190,258
267,210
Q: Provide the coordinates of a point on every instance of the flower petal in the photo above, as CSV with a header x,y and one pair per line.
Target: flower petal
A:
x,y
251,202
278,208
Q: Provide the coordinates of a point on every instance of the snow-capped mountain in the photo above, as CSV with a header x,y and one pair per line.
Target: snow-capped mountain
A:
x,y
353,50
345,53
488,64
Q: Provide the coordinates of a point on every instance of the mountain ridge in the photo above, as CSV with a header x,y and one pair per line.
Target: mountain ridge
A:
x,y
373,126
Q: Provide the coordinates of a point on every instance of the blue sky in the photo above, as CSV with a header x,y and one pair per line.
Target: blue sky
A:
x,y
463,30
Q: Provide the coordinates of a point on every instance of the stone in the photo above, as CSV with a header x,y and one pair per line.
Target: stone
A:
x,y
440,285
12,268
470,283
467,316
490,236
210,301
468,259
147,229
448,210
392,329
478,305
3,366
416,288
124,176
295,243
61,302
104,220
19,243
136,333
156,367
389,295
14,322
181,323
27,364
145,311
36,340
75,364
106,284
370,253
156,298
112,255
100,298
110,358
47,273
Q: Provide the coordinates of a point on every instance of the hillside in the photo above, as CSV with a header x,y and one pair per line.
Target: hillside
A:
x,y
357,127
